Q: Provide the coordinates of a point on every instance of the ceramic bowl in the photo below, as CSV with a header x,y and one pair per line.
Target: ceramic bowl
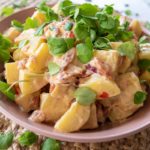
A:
x,y
107,132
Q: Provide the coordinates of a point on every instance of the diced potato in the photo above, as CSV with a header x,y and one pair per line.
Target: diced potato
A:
x,y
101,84
30,82
25,35
18,55
76,116
145,76
11,72
115,45
52,107
110,58
92,122
135,26
28,102
144,51
39,16
37,62
123,106
12,33
124,64
34,44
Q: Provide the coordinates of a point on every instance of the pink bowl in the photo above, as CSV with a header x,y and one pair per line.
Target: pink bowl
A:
x,y
134,124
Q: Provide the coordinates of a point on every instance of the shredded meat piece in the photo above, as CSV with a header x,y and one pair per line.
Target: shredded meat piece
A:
x,y
67,76
22,64
67,58
100,67
37,116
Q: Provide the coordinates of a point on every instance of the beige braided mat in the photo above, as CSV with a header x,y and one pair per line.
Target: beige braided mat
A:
x,y
140,141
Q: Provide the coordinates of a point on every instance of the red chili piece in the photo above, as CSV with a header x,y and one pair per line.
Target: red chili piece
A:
x,y
104,95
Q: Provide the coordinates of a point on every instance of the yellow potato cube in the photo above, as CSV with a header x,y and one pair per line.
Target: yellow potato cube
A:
x,y
34,44
12,33
76,116
100,85
92,123
39,16
52,107
37,62
144,51
135,26
122,106
111,58
145,76
115,45
25,35
28,102
30,82
11,72
18,55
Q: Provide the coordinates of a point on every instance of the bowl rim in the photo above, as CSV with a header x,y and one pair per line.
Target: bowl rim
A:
x,y
70,137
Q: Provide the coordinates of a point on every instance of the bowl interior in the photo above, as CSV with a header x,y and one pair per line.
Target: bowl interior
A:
x,y
107,132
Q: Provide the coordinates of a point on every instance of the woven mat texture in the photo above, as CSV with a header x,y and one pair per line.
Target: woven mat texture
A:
x,y
140,141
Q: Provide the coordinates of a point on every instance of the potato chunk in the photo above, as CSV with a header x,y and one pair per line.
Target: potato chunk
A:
x,y
12,33
109,58
144,51
92,122
30,82
122,106
28,102
39,16
18,55
135,26
53,107
11,72
76,116
37,62
100,85
145,76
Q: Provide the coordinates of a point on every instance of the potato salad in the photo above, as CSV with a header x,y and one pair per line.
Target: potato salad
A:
x,y
76,67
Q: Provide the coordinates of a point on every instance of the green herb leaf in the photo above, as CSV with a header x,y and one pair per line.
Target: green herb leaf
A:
x,y
88,10
127,49
59,46
106,22
67,8
81,30
49,13
5,89
40,30
85,96
140,97
27,138
144,39
30,23
53,68
18,25
5,44
7,11
144,64
108,9
23,43
51,144
85,51
102,43
20,4
147,25
6,140
68,26
128,12
92,35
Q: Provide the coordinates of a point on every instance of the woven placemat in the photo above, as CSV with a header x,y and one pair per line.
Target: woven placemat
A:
x,y
140,141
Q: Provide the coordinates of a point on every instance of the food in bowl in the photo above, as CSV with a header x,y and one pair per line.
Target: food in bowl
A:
x,y
76,66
